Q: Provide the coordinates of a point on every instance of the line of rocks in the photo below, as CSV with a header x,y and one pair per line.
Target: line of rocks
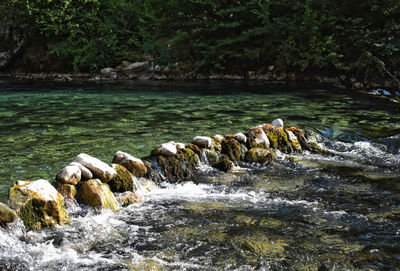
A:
x,y
92,182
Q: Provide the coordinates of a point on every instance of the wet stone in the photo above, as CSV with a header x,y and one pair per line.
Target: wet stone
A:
x,y
134,165
69,175
99,169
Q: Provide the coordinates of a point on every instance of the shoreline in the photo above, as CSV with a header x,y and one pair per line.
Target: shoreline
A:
x,y
340,81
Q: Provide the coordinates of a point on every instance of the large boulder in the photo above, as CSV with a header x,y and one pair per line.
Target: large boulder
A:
x,y
85,172
38,204
69,175
97,194
122,181
259,155
134,165
257,138
99,169
7,214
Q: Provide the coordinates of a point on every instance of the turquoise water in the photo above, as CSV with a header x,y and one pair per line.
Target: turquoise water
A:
x,y
339,212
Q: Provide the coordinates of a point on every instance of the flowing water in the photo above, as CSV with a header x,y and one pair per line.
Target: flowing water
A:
x,y
337,211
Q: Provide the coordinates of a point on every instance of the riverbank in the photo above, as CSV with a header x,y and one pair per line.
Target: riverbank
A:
x,y
279,78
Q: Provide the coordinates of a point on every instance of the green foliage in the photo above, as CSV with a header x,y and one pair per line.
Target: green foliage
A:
x,y
223,36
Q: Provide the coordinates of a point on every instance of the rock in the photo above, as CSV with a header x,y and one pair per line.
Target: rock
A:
x,y
123,180
271,68
97,194
202,141
257,138
240,137
134,165
85,172
293,140
123,65
224,164
212,157
165,149
68,191
153,170
180,167
38,204
127,198
216,143
259,155
277,123
194,148
180,146
307,140
137,66
277,138
109,72
231,147
99,169
69,175
7,214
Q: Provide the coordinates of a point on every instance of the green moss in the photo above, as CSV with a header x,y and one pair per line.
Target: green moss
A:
x,y
32,215
122,181
278,138
179,167
259,155
231,147
212,157
216,144
224,164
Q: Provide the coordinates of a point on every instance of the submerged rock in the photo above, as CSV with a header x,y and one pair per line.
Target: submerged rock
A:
x,y
85,172
202,141
134,165
165,149
38,204
69,175
180,167
99,169
7,214
259,155
127,198
257,138
123,180
97,194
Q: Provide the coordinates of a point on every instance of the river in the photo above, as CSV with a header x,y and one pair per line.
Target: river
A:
x,y
336,211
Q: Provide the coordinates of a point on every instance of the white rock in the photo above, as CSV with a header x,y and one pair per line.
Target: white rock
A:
x,y
257,138
99,169
291,136
277,123
136,66
165,149
240,137
202,141
42,187
85,172
180,146
69,175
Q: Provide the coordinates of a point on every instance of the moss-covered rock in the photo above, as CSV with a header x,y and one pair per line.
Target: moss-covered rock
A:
x,y
194,148
293,140
122,181
231,147
97,194
133,164
68,191
216,143
224,164
7,214
307,139
259,155
180,167
212,157
38,204
278,138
